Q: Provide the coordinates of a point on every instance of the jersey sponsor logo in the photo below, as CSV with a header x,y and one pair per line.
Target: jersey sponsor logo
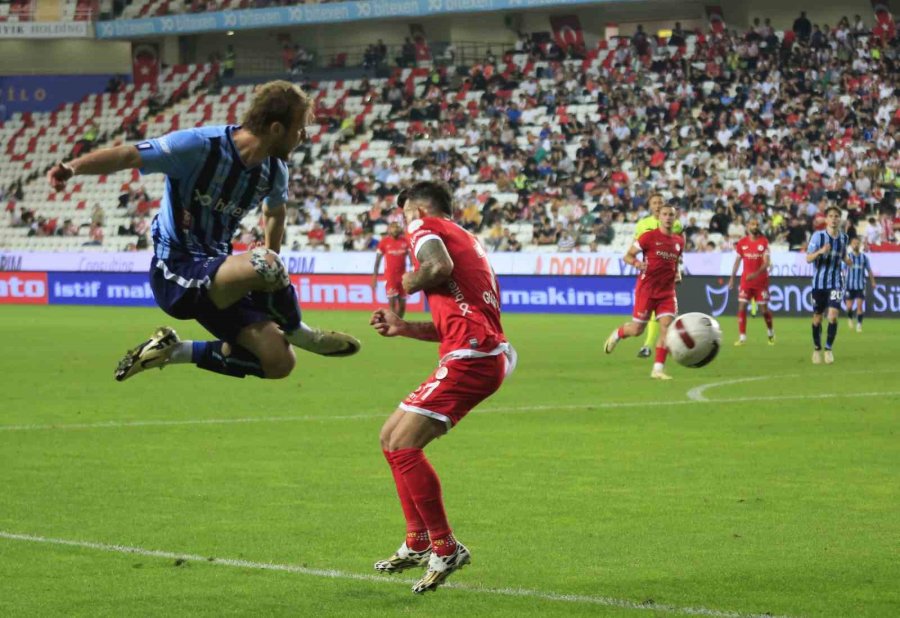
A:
x,y
459,298
227,208
23,288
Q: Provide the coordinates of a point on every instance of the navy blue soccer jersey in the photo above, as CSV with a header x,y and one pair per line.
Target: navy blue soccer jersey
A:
x,y
828,268
858,271
208,190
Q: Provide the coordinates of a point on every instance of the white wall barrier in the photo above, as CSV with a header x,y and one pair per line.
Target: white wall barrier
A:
x,y
784,264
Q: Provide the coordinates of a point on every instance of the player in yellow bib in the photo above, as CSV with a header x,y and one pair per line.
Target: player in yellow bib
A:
x,y
647,224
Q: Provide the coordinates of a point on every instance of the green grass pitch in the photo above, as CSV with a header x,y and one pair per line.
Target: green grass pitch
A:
x,y
582,488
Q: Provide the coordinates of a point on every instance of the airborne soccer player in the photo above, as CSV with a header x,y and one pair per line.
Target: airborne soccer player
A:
x,y
655,289
214,176
827,251
753,250
394,247
648,224
858,272
452,270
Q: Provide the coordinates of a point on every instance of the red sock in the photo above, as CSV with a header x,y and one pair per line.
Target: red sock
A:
x,y
621,332
661,354
768,316
742,320
425,489
416,531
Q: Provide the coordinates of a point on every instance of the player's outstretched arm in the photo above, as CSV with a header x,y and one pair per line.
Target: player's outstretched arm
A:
x,y
631,258
377,267
435,267
389,324
274,216
104,161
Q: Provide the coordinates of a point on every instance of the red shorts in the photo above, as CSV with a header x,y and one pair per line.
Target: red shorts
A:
x,y
645,305
457,386
393,286
759,293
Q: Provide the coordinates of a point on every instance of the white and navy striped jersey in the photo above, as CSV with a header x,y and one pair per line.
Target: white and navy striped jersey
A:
x,y
828,268
208,190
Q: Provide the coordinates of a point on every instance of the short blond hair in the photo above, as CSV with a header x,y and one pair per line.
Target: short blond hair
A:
x,y
276,101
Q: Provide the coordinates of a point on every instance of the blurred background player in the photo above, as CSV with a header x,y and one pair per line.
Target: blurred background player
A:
x,y
215,175
858,270
647,224
753,250
454,272
827,251
394,247
654,293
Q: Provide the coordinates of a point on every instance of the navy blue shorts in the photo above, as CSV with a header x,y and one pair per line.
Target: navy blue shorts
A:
x,y
854,294
825,299
181,289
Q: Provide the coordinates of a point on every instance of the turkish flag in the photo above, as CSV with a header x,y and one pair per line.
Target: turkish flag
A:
x,y
567,31
145,64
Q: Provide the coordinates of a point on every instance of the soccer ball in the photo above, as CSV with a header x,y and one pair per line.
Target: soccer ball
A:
x,y
693,339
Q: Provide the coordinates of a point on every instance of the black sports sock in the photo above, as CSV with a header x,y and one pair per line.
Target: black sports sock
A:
x,y
832,333
282,305
817,336
238,364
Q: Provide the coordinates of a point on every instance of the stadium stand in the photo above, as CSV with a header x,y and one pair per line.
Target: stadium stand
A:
x,y
560,153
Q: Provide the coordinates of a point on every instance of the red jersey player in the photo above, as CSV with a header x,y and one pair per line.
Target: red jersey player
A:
x,y
394,247
453,271
753,249
655,289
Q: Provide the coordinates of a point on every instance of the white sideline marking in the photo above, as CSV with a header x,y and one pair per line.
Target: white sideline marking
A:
x,y
384,415
335,574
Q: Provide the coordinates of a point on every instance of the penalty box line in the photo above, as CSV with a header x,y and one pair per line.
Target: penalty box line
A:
x,y
382,579
497,410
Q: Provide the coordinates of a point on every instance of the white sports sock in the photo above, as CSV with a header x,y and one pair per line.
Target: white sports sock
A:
x,y
182,352
743,337
771,332
658,367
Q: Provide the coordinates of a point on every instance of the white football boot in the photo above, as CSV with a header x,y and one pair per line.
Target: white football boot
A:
x,y
441,567
404,558
324,342
153,353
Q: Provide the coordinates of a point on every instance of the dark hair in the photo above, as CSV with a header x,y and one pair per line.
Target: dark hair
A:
x,y
834,208
275,101
435,193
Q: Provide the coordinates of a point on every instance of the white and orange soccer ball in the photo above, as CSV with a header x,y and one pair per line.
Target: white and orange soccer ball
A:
x,y
694,339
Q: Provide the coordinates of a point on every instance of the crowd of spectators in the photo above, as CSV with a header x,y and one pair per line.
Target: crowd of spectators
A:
x,y
753,124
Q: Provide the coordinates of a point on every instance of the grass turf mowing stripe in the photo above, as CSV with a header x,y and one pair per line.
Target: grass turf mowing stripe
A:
x,y
499,410
335,574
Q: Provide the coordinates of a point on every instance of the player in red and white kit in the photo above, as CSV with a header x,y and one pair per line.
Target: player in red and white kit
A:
x,y
453,271
655,289
753,250
394,247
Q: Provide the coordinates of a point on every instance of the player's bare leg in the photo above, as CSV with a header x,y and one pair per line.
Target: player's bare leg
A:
x,y
832,316
652,337
849,303
261,270
403,437
860,313
817,338
398,305
662,351
629,329
767,316
742,323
